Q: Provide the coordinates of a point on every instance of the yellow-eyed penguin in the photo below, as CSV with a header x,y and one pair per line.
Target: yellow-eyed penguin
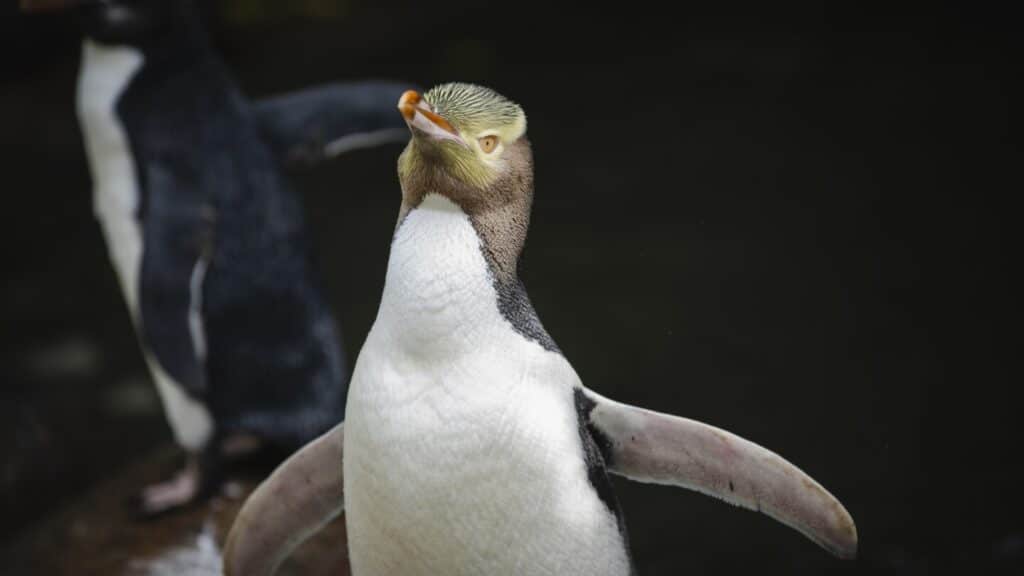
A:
x,y
470,444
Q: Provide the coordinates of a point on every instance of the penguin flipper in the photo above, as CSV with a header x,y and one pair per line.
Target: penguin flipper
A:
x,y
657,448
172,281
310,126
302,495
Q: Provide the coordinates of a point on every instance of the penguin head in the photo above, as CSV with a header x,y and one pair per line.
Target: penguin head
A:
x,y
468,141
142,24
469,144
126,22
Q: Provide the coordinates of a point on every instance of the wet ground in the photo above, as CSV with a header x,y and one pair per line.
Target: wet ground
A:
x,y
96,535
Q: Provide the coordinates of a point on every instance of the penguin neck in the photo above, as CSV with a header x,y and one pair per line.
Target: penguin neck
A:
x,y
439,293
499,211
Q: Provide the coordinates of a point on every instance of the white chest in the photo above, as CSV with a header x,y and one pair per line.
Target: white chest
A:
x,y
462,454
105,74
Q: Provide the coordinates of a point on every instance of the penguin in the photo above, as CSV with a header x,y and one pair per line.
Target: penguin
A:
x,y
470,445
208,237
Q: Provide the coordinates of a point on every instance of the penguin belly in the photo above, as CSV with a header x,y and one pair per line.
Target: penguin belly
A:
x,y
105,74
462,450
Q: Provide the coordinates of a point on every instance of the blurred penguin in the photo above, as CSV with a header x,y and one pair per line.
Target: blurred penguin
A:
x,y
207,235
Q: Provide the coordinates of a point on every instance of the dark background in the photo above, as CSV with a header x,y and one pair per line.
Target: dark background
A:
x,y
792,224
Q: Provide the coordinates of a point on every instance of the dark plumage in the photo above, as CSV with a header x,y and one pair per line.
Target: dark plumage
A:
x,y
229,302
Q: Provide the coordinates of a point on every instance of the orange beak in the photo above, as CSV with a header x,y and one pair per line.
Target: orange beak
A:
x,y
419,116
407,104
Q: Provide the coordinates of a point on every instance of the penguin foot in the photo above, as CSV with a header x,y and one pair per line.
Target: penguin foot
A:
x,y
180,490
205,474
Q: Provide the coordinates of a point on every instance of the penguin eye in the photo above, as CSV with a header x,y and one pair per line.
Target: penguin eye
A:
x,y
488,143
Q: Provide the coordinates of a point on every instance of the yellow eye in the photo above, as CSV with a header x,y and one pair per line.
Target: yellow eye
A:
x,y
488,143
